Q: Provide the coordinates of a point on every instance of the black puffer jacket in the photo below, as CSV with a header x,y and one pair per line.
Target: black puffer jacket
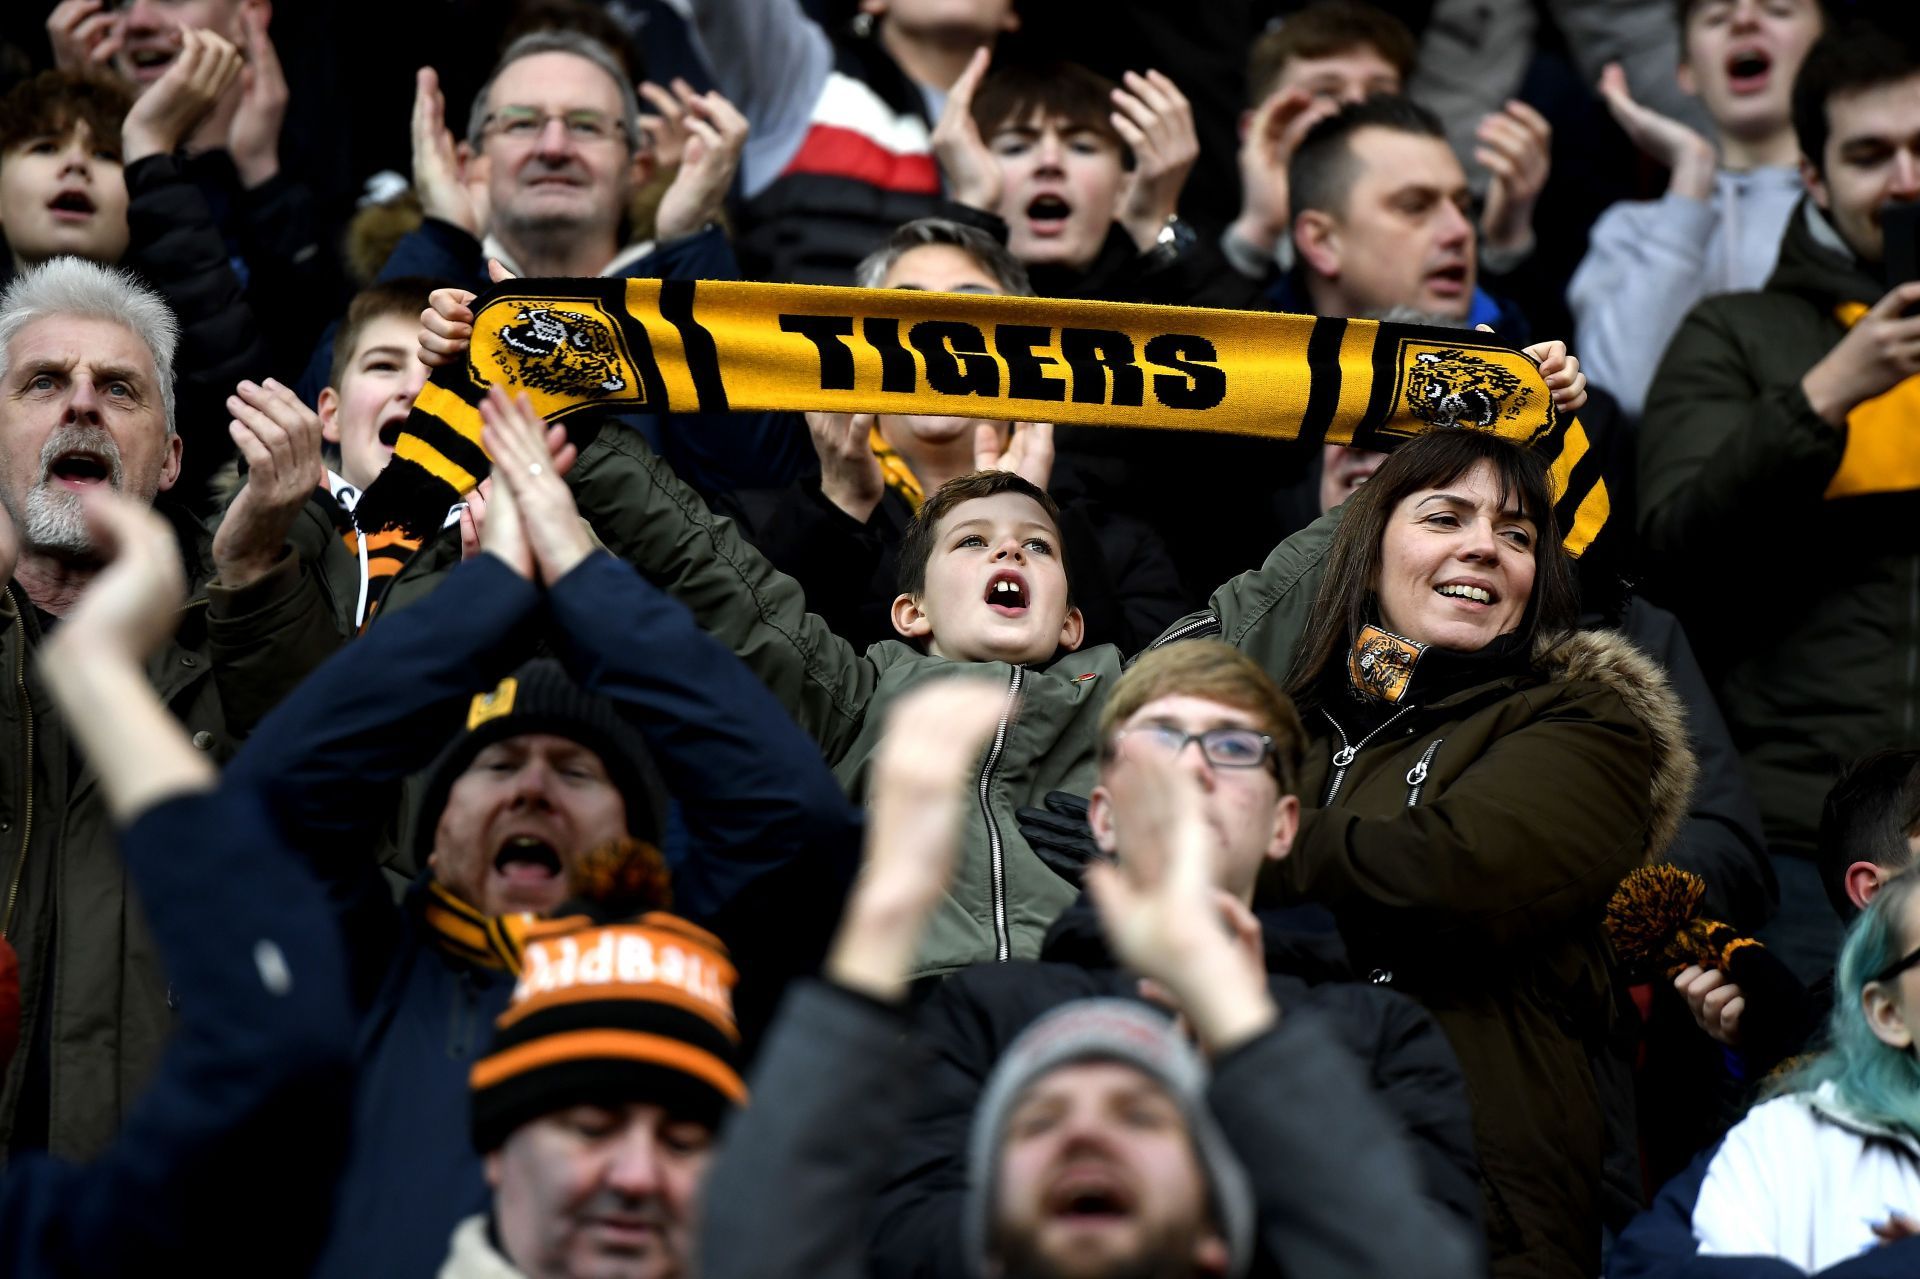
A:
x,y
975,1014
1803,610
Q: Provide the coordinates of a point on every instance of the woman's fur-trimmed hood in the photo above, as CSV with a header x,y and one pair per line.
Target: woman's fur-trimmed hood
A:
x,y
1610,658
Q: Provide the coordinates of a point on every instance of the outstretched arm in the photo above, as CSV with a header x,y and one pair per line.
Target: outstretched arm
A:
x,y
836,1075
232,1151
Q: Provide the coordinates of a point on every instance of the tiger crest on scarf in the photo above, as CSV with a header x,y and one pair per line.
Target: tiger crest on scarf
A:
x,y
1451,387
563,353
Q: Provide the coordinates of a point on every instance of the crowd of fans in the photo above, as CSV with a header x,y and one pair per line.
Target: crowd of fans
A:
x,y
915,847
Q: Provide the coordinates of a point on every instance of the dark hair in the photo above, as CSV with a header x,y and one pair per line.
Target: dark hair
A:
x,y
53,102
404,296
1321,173
1323,30
991,255
1868,816
1067,91
1346,602
916,544
1859,55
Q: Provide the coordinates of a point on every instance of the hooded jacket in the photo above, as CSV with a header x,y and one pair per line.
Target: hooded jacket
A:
x,y
1468,849
972,1017
1804,611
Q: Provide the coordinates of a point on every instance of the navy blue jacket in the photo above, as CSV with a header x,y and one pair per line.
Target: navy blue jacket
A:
x,y
227,1163
1660,1244
775,844
714,452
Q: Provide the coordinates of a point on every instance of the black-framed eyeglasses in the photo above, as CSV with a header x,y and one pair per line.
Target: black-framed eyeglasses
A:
x,y
1223,747
524,124
1898,966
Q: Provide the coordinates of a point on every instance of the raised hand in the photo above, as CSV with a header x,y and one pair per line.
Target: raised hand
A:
x,y
1159,906
180,99
716,135
446,326
253,139
1028,454
280,438
916,801
84,35
1688,157
1516,146
666,130
1565,381
1273,134
1155,119
473,515
966,162
437,173
133,604
850,475
527,476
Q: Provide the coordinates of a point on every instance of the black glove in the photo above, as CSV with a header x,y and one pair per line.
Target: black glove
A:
x,y
1059,833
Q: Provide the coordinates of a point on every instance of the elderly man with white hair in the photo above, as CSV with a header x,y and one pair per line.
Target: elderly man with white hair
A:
x,y
87,402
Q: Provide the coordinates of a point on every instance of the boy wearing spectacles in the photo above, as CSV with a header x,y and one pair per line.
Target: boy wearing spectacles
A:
x,y
1211,709
1206,709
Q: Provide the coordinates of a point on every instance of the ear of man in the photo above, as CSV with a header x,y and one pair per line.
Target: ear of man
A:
x,y
1316,238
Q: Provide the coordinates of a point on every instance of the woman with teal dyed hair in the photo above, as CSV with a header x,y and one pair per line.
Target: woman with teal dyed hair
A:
x,y
1825,1175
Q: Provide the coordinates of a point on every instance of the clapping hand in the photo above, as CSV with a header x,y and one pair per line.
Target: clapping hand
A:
x,y
716,134
1689,158
532,522
917,798
167,114
1156,121
966,162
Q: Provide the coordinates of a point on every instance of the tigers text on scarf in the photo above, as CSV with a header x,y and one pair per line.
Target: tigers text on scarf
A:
x,y
678,346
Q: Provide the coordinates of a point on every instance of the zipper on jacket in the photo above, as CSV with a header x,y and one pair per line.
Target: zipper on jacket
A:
x,y
1344,756
1198,626
1417,775
26,818
996,851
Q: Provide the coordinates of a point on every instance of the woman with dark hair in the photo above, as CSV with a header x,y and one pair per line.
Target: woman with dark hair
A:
x,y
1484,775
1823,1178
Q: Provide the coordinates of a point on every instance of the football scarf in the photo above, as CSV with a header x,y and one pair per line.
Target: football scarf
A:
x,y
678,346
1881,455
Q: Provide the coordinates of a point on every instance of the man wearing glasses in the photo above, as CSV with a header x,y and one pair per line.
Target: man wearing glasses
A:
x,y
553,154
1211,709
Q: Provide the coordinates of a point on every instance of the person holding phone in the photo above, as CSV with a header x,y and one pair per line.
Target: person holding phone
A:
x,y
1780,473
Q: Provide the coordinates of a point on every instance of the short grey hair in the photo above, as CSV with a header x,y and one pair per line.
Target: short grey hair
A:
x,y
580,46
69,286
992,255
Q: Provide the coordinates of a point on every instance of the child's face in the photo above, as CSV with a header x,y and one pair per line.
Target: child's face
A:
x,y
363,415
1741,57
1060,189
63,195
996,588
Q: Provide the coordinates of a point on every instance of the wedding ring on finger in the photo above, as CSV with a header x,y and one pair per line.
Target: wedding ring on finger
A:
x,y
536,470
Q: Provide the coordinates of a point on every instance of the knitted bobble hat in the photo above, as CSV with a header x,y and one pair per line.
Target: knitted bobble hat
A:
x,y
1113,1030
609,1014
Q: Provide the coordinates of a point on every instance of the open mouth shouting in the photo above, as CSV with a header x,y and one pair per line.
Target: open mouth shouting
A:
x,y
1047,214
1007,593
71,205
1089,1196
1748,70
1449,281
527,861
80,469
390,427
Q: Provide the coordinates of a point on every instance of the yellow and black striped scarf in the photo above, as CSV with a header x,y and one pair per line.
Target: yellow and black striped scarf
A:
x,y
486,941
714,346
